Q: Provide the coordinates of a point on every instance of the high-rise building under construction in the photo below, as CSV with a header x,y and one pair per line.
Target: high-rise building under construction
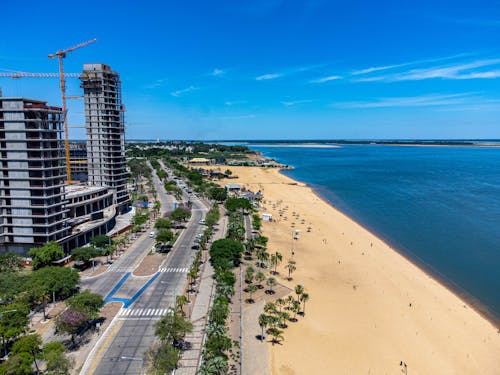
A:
x,y
104,122
32,174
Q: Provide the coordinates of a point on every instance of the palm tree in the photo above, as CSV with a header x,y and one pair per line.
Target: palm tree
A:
x,y
277,335
283,317
290,301
157,207
295,309
304,297
299,289
276,259
249,275
262,257
180,302
215,329
252,289
263,320
291,267
280,303
260,277
270,308
271,282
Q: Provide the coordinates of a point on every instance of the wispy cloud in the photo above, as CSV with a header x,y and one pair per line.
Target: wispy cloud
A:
x,y
456,71
379,68
408,101
269,76
240,117
217,72
181,92
156,84
295,102
235,102
326,79
289,71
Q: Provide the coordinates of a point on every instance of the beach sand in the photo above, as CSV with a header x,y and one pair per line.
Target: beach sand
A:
x,y
370,308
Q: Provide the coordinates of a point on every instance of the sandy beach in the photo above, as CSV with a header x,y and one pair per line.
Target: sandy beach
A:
x,y
370,308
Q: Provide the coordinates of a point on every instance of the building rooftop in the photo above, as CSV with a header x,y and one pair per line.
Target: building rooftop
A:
x,y
76,190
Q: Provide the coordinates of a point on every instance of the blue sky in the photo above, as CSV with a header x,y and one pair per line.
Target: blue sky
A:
x,y
279,69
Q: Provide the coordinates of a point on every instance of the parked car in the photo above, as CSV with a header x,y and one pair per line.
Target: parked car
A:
x,y
152,234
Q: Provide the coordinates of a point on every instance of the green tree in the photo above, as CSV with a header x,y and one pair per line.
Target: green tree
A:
x,y
275,261
30,345
164,235
180,214
45,255
234,204
260,277
263,320
87,303
172,327
163,224
299,289
249,275
271,283
225,253
100,241
51,282
291,267
18,364
13,322
85,254
304,297
55,359
251,290
218,194
10,262
163,358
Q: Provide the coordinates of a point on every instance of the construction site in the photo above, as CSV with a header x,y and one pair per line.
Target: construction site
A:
x,y
52,189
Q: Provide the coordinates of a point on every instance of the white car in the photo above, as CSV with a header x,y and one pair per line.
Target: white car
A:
x,y
151,234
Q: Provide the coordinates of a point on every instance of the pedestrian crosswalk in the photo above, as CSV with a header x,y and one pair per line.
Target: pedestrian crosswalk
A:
x,y
175,269
141,312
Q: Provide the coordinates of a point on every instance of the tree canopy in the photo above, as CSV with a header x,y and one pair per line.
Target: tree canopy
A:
x,y
180,214
164,235
84,254
100,241
10,262
225,253
163,224
218,194
87,303
235,204
45,255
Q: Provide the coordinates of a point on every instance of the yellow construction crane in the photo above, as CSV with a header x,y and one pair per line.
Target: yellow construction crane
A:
x,y
61,54
14,74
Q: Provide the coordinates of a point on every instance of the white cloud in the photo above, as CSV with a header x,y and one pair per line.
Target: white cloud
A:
x,y
408,101
217,72
326,79
295,102
156,84
235,102
266,77
456,71
187,90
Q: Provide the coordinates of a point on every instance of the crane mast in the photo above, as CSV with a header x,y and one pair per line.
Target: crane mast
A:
x,y
61,54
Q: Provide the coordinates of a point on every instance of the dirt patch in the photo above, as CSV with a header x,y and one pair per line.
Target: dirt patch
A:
x,y
149,265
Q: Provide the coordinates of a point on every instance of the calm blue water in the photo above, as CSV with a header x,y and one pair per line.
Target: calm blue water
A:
x,y
438,205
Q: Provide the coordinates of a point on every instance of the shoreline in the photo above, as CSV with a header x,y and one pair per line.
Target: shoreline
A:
x,y
430,271
371,305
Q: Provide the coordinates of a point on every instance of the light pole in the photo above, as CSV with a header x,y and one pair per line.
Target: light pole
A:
x,y
135,359
295,236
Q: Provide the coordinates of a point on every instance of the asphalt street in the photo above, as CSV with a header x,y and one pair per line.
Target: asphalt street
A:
x,y
123,352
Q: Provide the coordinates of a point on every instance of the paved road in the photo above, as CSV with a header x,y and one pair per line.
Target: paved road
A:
x,y
105,282
123,350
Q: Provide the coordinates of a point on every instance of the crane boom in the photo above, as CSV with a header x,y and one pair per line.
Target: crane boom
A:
x,y
61,54
36,75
